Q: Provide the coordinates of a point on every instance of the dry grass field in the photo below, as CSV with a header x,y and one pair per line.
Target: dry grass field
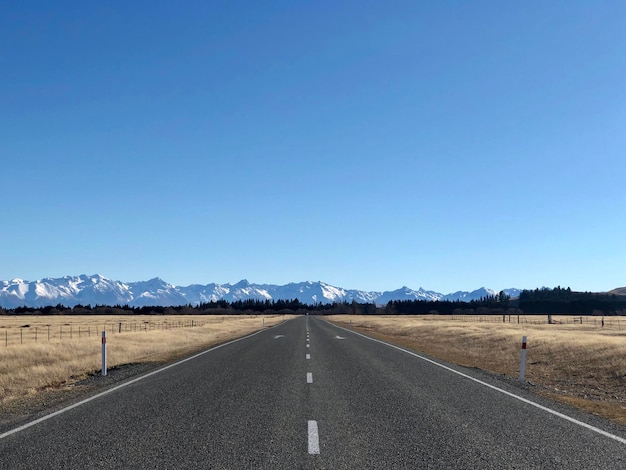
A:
x,y
582,365
30,367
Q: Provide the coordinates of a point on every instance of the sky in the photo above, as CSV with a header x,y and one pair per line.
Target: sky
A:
x,y
370,145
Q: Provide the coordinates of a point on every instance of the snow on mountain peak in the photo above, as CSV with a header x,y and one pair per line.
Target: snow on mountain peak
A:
x,y
241,284
97,289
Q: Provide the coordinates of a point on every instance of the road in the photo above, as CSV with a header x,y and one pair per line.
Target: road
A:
x,y
307,394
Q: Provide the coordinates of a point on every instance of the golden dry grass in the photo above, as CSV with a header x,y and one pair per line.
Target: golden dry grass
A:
x,y
32,367
583,365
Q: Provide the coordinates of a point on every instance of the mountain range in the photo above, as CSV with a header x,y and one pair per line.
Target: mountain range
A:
x,y
98,290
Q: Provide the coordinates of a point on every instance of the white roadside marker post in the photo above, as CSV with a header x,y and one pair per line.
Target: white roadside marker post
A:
x,y
522,367
104,353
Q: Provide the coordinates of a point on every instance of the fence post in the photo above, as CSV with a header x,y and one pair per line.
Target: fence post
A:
x,y
104,353
522,367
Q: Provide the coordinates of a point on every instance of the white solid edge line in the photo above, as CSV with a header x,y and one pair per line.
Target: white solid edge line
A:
x,y
517,397
125,384
314,438
309,377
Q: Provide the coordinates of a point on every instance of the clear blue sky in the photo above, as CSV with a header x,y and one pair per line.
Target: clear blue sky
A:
x,y
370,145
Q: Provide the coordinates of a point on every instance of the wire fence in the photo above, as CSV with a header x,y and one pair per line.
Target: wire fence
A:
x,y
13,335
44,329
612,322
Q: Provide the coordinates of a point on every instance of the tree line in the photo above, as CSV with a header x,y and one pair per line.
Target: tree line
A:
x,y
563,300
217,307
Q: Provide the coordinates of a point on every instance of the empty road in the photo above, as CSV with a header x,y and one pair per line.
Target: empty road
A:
x,y
307,394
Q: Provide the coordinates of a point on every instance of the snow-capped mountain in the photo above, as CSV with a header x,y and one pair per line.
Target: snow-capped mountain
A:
x,y
154,292
68,290
404,293
512,292
98,290
468,296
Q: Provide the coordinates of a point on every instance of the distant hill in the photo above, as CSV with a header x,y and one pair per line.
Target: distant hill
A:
x,y
618,291
99,290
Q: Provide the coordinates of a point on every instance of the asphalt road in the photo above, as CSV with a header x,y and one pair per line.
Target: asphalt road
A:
x,y
261,402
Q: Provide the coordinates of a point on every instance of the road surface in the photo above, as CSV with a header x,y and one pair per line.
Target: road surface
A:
x,y
307,394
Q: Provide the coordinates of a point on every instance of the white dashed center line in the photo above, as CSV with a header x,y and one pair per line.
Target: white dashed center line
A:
x,y
314,438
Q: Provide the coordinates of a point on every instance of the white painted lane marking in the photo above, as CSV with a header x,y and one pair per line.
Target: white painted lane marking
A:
x,y
125,384
308,356
308,345
278,336
340,337
309,377
493,387
314,438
